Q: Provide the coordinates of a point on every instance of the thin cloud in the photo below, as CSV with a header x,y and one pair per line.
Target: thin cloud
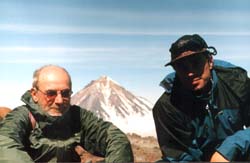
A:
x,y
84,50
53,29
124,57
53,49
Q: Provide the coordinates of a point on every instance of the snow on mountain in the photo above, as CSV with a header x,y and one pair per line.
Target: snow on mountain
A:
x,y
110,101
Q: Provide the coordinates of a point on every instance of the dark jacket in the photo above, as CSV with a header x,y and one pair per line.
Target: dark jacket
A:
x,y
191,128
53,139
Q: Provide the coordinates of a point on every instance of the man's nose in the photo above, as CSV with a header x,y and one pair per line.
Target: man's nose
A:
x,y
190,69
58,98
190,74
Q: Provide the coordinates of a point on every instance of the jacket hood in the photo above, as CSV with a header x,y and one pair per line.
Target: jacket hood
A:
x,y
40,116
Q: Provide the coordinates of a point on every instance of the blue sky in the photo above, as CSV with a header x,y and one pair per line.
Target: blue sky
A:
x,y
127,40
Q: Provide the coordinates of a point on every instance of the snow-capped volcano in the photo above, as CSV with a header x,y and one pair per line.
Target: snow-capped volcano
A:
x,y
110,101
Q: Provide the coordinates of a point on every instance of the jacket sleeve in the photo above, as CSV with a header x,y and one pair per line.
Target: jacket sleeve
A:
x,y
174,137
104,139
237,146
13,130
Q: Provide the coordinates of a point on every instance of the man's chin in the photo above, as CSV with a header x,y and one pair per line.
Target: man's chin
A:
x,y
55,114
198,90
58,111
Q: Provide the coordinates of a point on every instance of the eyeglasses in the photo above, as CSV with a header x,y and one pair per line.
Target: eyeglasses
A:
x,y
66,93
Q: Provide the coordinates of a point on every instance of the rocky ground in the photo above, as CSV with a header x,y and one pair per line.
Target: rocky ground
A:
x,y
145,149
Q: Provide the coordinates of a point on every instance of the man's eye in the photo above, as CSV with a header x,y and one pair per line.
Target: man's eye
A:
x,y
65,93
51,93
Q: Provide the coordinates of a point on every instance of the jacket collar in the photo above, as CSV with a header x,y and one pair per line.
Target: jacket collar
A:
x,y
168,82
42,117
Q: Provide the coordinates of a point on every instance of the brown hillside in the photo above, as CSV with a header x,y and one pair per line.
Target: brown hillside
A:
x,y
145,149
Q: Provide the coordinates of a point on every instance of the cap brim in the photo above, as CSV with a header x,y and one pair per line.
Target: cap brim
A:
x,y
184,55
167,64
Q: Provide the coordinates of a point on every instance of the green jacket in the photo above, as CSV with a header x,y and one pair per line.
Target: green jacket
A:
x,y
191,128
53,138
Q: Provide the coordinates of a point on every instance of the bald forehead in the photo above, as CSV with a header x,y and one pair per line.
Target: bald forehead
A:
x,y
52,70
52,74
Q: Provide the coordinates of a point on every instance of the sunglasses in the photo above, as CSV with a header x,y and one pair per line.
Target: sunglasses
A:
x,y
66,93
196,61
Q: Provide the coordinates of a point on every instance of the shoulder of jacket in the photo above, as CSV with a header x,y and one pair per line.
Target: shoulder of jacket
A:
x,y
235,73
236,80
19,114
229,68
77,110
21,110
163,100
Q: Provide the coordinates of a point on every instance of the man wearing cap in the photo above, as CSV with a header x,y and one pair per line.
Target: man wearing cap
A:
x,y
206,106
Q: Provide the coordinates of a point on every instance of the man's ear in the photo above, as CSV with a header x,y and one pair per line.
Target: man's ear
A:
x,y
211,62
33,92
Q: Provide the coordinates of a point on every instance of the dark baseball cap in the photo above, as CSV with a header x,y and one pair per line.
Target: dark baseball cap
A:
x,y
188,45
